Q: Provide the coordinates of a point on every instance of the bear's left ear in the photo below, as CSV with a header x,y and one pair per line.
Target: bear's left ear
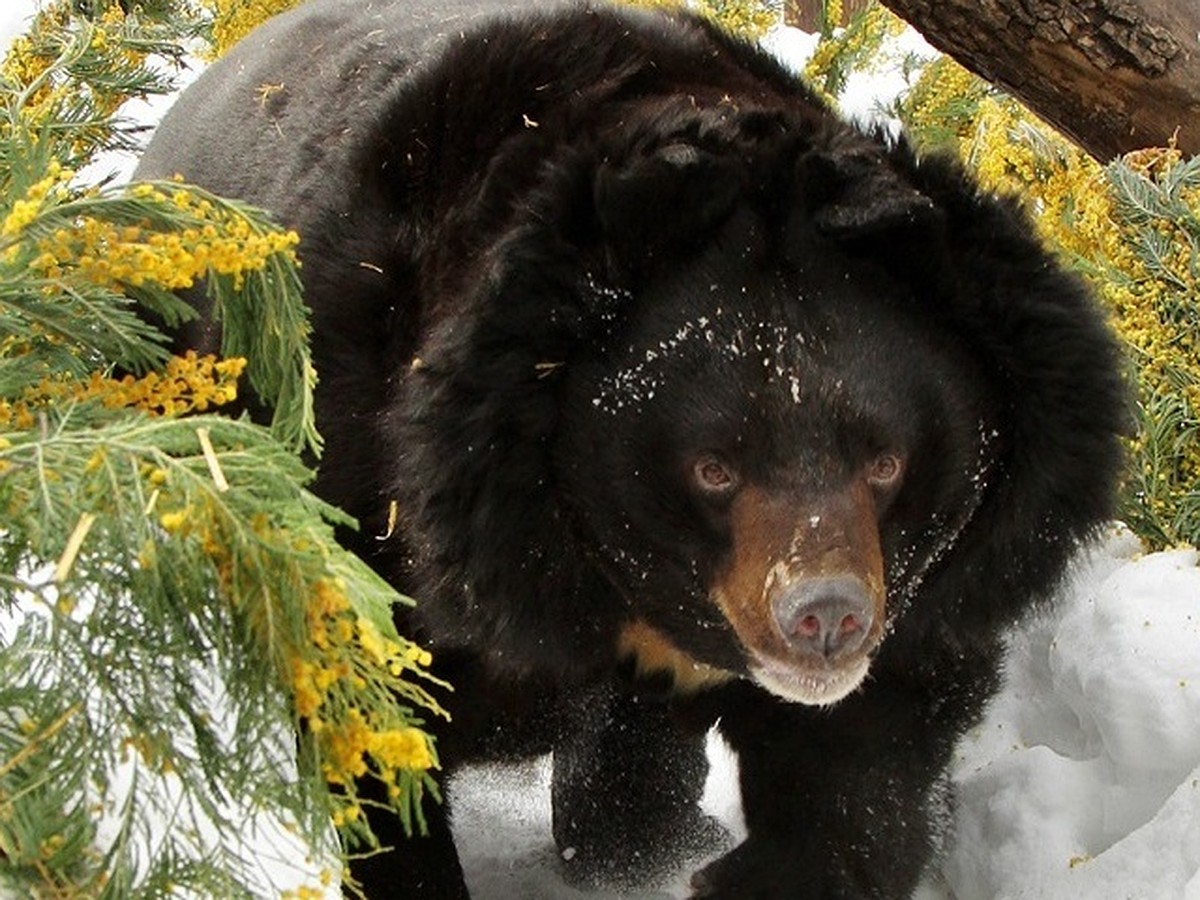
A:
x,y
657,204
852,194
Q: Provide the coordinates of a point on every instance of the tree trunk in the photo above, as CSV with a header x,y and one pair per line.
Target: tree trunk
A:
x,y
1113,75
807,15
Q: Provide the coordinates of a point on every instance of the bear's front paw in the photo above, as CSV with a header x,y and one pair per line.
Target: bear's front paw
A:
x,y
764,870
617,861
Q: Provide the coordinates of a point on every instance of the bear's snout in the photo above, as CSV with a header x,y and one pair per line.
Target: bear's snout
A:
x,y
804,589
826,617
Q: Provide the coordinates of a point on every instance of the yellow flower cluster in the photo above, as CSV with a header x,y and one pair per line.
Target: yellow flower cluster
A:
x,y
23,65
188,383
352,741
50,189
231,518
849,42
110,255
1158,314
310,892
749,18
1011,152
32,61
944,100
394,749
234,19
343,676
327,676
303,892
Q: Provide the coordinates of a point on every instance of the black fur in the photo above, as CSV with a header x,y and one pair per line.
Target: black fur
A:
x,y
550,255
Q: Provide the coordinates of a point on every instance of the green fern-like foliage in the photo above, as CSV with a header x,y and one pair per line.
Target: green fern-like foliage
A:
x,y
186,653
846,49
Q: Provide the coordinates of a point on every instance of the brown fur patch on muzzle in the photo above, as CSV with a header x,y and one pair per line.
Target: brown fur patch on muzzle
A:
x,y
804,589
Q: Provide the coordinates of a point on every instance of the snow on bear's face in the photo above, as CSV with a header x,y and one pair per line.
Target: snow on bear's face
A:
x,y
768,461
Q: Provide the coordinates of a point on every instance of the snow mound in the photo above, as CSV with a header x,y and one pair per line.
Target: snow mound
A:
x,y
1084,780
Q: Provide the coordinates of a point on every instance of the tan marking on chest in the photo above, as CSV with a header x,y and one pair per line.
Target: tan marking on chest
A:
x,y
654,653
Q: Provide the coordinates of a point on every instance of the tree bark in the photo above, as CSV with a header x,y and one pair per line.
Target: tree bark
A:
x,y
807,15
1112,75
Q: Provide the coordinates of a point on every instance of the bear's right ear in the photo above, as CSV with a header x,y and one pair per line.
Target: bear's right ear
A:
x,y
852,194
656,205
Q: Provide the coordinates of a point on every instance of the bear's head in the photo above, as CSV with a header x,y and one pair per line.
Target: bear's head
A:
x,y
765,453
742,396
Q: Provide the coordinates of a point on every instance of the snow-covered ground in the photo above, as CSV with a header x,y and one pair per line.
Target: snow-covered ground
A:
x,y
1083,782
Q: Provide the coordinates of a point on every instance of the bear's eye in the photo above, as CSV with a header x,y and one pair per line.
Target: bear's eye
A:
x,y
713,476
885,470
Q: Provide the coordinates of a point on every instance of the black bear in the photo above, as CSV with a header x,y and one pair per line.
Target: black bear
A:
x,y
697,404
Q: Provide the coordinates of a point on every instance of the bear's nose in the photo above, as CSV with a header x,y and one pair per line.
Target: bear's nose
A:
x,y
828,616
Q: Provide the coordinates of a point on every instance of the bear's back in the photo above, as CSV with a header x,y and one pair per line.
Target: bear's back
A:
x,y
302,90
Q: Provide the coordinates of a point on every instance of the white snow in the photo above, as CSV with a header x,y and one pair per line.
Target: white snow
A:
x,y
1085,778
14,19
1083,781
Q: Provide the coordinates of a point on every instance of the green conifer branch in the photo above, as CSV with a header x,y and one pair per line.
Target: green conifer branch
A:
x,y
179,585
185,650
845,49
